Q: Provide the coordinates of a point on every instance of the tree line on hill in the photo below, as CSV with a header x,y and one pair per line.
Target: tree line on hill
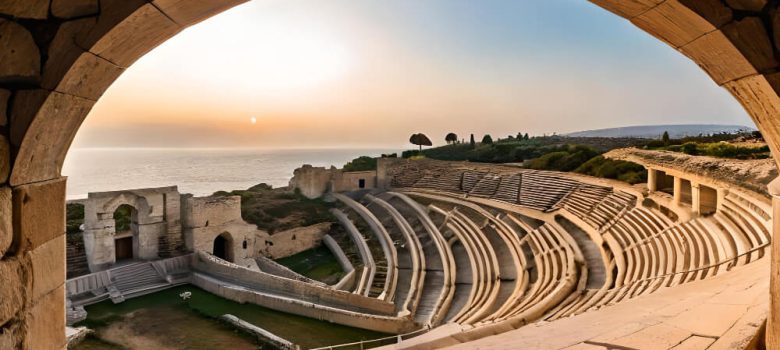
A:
x,y
573,154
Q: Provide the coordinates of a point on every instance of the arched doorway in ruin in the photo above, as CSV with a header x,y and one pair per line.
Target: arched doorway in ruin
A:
x,y
223,247
62,63
125,233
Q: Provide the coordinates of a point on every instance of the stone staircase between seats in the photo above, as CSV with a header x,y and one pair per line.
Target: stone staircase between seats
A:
x,y
136,278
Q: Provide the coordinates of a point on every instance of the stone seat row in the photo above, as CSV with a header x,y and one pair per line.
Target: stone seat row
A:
x,y
539,190
515,249
652,252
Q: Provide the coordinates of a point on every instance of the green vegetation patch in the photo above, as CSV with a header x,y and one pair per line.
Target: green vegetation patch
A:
x,y
74,216
276,210
193,324
719,149
316,263
362,163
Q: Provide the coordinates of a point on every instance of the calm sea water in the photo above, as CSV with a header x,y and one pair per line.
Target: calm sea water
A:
x,y
197,171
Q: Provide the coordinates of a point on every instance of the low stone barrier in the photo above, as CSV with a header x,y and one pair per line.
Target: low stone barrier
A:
x,y
386,324
264,335
335,248
271,284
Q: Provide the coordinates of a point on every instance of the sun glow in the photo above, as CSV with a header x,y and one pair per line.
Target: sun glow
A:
x,y
280,57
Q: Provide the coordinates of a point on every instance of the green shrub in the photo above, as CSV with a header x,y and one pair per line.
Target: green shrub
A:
x,y
362,163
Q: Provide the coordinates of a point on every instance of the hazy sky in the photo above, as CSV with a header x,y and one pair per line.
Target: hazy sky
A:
x,y
371,72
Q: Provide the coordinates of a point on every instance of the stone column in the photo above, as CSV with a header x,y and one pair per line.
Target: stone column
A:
x,y
773,316
677,191
652,180
695,199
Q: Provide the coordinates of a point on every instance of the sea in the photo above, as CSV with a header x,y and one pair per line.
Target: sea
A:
x,y
197,171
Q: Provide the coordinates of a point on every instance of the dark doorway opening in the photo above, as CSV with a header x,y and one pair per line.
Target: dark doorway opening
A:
x,y
123,248
222,248
362,183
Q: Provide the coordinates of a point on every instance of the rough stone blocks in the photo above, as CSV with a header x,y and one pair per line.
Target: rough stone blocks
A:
x,y
4,96
48,269
38,213
20,60
44,322
37,9
6,226
74,8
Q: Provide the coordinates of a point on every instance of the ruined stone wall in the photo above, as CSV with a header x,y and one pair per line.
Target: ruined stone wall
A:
x,y
156,224
205,218
349,181
293,241
313,182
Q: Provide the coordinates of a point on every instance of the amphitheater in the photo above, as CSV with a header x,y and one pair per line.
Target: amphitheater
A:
x,y
466,256
451,252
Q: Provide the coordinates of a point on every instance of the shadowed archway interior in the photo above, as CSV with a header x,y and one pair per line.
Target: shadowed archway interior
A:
x,y
58,57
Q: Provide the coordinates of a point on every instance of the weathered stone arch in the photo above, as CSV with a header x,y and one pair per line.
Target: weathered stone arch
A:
x,y
59,60
228,246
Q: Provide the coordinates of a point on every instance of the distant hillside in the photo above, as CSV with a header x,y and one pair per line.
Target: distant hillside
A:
x,y
655,131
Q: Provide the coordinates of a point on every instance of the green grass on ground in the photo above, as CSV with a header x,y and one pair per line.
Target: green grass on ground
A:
x,y
317,263
304,331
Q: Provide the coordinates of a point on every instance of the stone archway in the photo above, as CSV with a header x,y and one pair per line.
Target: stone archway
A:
x,y
223,247
58,57
125,233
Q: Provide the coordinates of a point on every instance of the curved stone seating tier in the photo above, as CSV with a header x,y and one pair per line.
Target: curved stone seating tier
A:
x,y
484,268
509,189
470,180
388,248
449,181
439,280
411,263
486,186
501,239
541,191
366,276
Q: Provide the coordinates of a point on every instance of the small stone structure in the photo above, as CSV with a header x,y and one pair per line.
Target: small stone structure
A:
x,y
313,182
214,224
155,225
165,223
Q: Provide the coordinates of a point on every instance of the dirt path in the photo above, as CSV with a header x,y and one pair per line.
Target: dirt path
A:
x,y
169,328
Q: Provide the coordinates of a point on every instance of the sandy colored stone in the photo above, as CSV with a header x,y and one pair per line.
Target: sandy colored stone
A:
x,y
714,11
14,288
74,8
6,227
63,50
48,271
38,213
45,142
12,335
5,159
20,60
657,337
751,38
89,77
694,343
188,12
761,101
25,106
747,5
135,35
38,9
45,320
708,319
4,96
673,23
586,346
715,53
627,9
